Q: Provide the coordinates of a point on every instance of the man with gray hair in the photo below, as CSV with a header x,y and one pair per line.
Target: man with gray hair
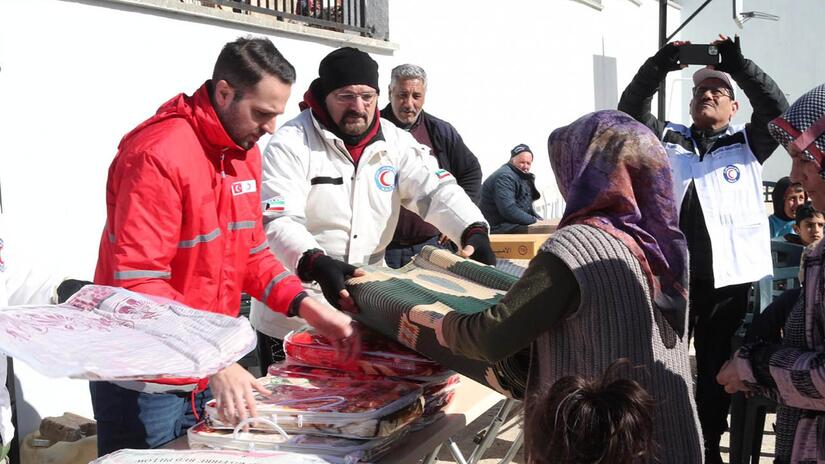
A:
x,y
408,90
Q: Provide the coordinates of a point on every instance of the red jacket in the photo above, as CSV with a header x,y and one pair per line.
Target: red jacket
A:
x,y
184,215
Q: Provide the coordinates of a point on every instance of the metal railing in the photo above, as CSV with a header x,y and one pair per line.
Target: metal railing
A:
x,y
335,15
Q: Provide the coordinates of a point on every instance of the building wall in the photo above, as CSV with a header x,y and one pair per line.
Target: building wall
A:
x,y
789,50
75,76
510,75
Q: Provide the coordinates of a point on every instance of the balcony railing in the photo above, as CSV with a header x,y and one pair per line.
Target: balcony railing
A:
x,y
336,15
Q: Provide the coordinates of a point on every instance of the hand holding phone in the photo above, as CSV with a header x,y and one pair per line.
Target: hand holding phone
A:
x,y
704,54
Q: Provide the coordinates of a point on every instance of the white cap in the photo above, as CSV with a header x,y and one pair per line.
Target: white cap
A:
x,y
710,73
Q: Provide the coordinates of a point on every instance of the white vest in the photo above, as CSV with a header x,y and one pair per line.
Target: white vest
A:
x,y
729,187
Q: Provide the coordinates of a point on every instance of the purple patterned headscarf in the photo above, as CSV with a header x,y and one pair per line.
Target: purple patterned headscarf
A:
x,y
614,175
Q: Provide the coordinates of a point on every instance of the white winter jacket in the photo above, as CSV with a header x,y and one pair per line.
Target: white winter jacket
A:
x,y
315,196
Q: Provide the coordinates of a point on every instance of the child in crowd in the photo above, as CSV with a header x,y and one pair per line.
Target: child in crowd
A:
x,y
787,197
609,420
807,226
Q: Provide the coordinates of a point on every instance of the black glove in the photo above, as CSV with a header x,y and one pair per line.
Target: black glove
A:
x,y
667,58
731,56
68,288
328,272
476,235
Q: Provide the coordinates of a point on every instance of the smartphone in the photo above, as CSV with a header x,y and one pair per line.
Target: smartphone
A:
x,y
698,54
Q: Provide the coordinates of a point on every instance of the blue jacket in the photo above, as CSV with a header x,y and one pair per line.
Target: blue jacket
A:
x,y
507,198
779,226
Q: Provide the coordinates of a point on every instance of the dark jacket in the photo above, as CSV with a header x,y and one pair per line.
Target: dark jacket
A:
x,y
507,199
453,155
767,101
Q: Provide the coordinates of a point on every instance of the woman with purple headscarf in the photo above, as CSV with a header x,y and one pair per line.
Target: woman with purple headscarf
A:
x,y
783,356
611,283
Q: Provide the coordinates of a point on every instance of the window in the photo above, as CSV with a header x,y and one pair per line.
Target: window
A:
x,y
361,23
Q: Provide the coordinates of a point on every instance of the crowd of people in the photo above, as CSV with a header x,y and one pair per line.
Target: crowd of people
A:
x,y
663,234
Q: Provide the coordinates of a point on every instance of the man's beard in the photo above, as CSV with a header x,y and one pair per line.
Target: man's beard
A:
x,y
353,126
229,121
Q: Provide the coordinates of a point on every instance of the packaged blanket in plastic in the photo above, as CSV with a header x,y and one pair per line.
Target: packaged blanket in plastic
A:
x,y
379,356
437,396
340,407
405,303
335,449
130,456
108,333
437,391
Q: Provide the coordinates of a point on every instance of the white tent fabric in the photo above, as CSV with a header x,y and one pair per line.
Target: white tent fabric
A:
x,y
108,333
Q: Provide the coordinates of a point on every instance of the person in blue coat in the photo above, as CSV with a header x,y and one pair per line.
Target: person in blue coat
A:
x,y
507,196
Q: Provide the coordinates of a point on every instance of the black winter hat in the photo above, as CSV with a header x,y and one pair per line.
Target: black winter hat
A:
x,y
518,149
347,66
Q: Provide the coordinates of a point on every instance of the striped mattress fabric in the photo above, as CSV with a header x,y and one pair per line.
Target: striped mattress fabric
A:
x,y
404,304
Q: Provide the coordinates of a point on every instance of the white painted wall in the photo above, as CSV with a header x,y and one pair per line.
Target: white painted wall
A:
x,y
504,76
789,50
76,76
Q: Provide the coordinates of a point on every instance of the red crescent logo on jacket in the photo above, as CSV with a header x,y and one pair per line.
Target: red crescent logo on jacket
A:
x,y
243,186
385,178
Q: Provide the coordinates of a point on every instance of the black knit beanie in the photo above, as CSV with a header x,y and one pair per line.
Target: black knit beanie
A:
x,y
518,149
346,66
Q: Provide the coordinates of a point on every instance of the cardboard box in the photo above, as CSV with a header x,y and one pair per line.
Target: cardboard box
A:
x,y
545,226
517,246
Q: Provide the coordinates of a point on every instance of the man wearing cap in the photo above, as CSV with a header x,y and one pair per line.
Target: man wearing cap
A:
x,y
717,179
408,91
507,196
334,181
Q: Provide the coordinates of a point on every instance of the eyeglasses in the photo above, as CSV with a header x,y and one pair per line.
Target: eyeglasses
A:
x,y
716,93
350,98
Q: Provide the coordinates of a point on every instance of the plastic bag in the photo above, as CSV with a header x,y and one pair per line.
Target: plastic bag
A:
x,y
108,333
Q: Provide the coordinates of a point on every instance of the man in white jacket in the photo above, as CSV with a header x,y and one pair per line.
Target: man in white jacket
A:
x,y
334,181
20,285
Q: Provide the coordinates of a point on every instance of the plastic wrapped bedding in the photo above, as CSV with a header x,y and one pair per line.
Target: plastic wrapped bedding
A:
x,y
378,356
438,391
334,449
108,333
341,407
130,456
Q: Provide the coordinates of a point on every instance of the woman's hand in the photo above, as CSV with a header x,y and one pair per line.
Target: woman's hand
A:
x,y
728,377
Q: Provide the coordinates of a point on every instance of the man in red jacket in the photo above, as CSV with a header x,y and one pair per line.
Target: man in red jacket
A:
x,y
184,222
